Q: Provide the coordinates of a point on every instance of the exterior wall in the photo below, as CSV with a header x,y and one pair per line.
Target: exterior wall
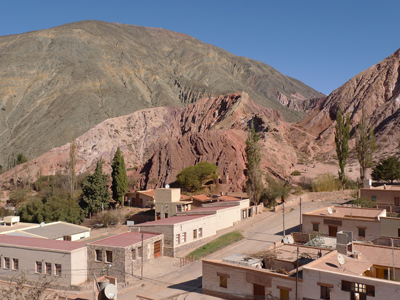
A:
x,y
241,279
168,195
122,265
372,228
207,224
144,200
77,237
382,196
390,227
227,217
73,264
384,289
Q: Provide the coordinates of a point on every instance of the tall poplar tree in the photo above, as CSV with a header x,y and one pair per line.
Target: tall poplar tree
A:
x,y
95,191
119,178
342,136
365,145
254,184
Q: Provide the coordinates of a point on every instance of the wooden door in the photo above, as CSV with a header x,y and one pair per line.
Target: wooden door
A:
x,y
157,249
397,201
332,230
259,292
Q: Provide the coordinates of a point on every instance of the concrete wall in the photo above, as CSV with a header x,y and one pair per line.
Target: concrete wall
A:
x,y
390,227
168,195
73,264
384,289
241,279
372,230
227,217
77,237
382,196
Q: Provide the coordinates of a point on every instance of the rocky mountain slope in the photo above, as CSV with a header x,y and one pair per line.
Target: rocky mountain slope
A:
x,y
377,91
58,83
159,142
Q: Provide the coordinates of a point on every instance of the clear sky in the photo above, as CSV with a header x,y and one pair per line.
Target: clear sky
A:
x,y
322,43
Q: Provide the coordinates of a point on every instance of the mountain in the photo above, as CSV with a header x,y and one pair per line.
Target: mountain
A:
x,y
159,142
58,83
377,91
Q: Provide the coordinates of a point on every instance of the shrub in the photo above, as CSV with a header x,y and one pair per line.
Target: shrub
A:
x,y
363,202
325,183
192,178
296,173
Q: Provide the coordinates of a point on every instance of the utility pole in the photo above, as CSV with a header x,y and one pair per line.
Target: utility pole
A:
x,y
142,257
394,270
301,226
283,210
297,270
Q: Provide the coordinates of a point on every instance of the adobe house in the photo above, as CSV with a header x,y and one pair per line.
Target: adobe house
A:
x,y
365,273
62,262
120,255
363,222
168,202
143,199
388,195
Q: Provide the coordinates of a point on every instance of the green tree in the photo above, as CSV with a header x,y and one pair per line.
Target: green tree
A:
x,y
95,191
119,178
254,184
276,189
192,178
365,146
388,170
342,135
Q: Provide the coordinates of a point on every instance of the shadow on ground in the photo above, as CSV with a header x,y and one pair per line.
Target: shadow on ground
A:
x,y
188,286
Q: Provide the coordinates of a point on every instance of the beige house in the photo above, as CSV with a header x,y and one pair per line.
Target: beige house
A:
x,y
140,198
366,273
64,263
168,203
120,255
382,195
363,222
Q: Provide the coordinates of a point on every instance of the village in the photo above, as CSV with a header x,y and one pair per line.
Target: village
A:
x,y
334,250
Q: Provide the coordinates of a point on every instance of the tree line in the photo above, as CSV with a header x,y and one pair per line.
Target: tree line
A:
x,y
69,197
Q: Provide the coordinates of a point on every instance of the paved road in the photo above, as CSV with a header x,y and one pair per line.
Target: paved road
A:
x,y
165,279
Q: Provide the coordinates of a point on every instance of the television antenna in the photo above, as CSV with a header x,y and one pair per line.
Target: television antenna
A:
x,y
42,224
167,186
290,240
330,210
285,240
341,260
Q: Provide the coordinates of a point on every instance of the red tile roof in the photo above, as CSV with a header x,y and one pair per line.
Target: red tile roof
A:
x,y
210,208
151,193
31,242
125,239
201,198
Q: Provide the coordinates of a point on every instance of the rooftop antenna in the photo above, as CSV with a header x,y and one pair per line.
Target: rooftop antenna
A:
x,y
167,186
341,261
110,291
42,224
330,210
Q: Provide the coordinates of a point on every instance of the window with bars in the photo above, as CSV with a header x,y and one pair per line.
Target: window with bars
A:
x,y
178,239
200,232
48,268
195,234
15,264
109,256
38,267
6,262
57,270
183,237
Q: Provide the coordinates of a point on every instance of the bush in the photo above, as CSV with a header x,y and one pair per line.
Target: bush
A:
x,y
363,202
325,183
192,178
296,173
306,183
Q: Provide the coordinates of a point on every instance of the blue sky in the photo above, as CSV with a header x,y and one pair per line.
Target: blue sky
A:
x,y
322,43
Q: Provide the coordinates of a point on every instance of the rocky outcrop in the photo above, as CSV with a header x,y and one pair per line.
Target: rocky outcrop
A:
x,y
159,142
60,82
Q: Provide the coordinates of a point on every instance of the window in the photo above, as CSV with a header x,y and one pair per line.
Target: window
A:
x,y
361,232
179,208
48,268
57,270
6,262
38,267
284,294
373,198
133,254
15,264
325,292
200,232
195,234
158,216
139,251
223,280
398,232
99,255
358,287
178,239
315,226
183,237
109,256
166,215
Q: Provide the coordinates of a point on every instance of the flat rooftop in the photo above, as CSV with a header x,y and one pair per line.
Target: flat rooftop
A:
x,y
39,243
18,226
172,220
57,230
370,255
288,252
124,239
348,212
209,208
